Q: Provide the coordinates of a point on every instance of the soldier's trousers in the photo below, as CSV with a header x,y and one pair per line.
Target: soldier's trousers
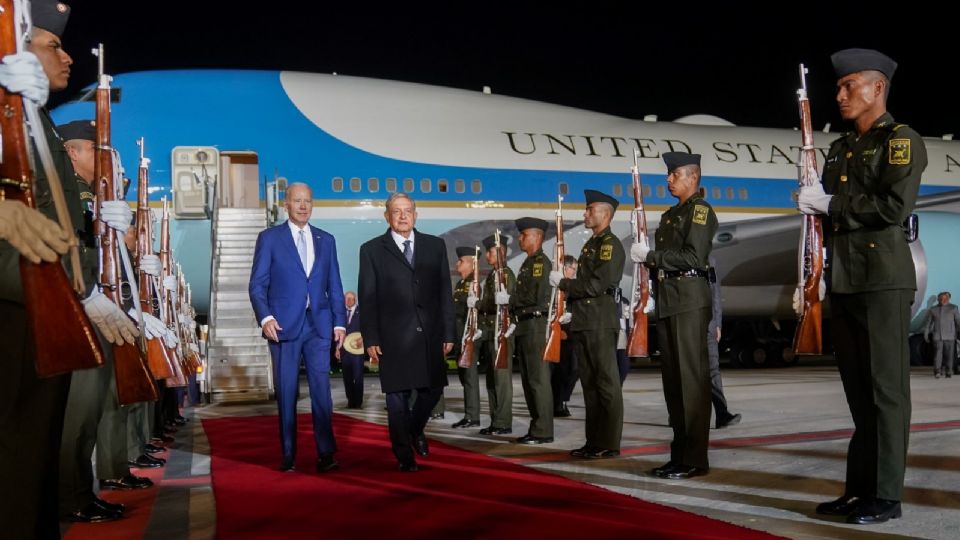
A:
x,y
944,356
535,376
565,374
870,333
470,379
138,428
720,409
685,370
31,425
112,435
499,382
596,352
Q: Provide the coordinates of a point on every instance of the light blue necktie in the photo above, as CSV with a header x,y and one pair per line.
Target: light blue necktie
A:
x,y
302,250
408,252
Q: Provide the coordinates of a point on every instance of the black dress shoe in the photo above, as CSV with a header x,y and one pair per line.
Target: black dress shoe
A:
x,y
109,506
530,439
872,511
93,513
490,430
152,459
561,411
409,466
729,420
127,482
153,449
326,463
465,423
682,472
601,453
420,445
660,471
839,507
582,451
143,462
181,421
436,416
287,466
163,439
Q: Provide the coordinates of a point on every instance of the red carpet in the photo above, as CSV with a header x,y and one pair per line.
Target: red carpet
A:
x,y
456,494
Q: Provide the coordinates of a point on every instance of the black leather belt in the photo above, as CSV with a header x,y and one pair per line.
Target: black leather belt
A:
x,y
684,273
532,315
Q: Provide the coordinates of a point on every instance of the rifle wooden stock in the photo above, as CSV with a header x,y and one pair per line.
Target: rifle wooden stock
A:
x,y
637,346
503,312
470,328
466,354
180,369
555,333
809,339
134,380
62,336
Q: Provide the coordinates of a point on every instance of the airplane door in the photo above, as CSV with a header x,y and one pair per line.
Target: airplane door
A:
x,y
240,187
196,170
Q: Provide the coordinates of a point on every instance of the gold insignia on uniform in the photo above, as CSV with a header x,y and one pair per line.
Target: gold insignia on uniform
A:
x,y
606,252
537,269
899,151
700,214
87,196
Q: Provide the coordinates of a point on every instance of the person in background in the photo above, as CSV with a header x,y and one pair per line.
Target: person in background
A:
x,y
943,328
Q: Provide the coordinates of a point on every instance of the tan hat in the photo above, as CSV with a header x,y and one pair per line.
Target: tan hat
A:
x,y
353,343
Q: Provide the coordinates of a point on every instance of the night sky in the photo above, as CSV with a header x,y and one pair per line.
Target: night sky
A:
x,y
736,61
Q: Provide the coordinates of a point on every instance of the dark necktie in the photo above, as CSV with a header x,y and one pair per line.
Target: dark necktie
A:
x,y
408,252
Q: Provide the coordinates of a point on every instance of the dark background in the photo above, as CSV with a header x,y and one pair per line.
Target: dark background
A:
x,y
735,60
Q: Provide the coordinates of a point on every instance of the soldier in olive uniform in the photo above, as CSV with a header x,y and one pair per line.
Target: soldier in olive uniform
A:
x,y
499,381
530,307
870,182
466,262
683,304
594,325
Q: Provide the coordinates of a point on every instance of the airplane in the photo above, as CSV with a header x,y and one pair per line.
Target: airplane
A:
x,y
474,161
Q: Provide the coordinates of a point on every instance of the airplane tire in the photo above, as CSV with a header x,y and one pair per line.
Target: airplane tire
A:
x,y
754,356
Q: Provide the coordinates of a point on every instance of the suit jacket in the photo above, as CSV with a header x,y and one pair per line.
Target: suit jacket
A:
x,y
353,325
408,310
944,323
279,286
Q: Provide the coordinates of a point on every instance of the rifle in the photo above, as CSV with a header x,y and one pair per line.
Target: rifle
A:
x,y
558,304
166,305
810,257
637,346
161,365
63,337
470,327
503,312
134,381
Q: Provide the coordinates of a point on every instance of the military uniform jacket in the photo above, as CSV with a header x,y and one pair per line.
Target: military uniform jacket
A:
x,y
487,307
684,240
532,294
874,180
590,296
460,294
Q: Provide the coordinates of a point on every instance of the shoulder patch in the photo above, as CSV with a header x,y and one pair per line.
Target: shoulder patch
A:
x,y
87,196
899,152
537,269
606,252
700,213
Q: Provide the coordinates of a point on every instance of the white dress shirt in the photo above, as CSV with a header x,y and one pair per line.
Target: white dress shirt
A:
x,y
400,240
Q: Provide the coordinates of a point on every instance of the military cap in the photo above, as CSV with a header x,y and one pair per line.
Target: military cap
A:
x,y
594,196
488,241
50,15
78,129
680,159
525,223
850,61
466,251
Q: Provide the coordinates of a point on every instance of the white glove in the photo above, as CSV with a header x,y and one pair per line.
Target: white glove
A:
x,y
638,252
501,298
31,233
152,326
566,317
150,264
117,214
477,334
813,200
194,347
170,283
192,324
555,277
23,74
112,322
650,305
170,338
471,301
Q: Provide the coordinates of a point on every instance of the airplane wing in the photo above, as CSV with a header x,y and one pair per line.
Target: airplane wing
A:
x,y
947,201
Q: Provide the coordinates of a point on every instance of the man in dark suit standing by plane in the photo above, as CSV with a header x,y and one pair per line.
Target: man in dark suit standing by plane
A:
x,y
297,297
352,362
408,326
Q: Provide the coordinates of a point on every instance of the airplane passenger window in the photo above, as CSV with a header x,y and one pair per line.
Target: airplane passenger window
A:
x,y
442,185
564,188
646,190
476,186
373,185
408,185
716,193
355,184
459,186
661,192
337,184
617,190
730,193
425,185
391,185
743,194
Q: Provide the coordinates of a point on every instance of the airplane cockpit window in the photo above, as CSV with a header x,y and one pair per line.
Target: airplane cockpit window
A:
x,y
661,192
408,185
476,186
337,184
426,185
743,194
443,186
564,188
717,194
617,190
373,185
391,185
459,186
355,184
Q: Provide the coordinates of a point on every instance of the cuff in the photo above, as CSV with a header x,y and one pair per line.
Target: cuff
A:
x,y
267,319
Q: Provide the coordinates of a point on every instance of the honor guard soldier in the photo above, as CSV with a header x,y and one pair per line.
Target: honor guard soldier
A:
x,y
469,378
499,381
683,304
594,326
869,186
530,307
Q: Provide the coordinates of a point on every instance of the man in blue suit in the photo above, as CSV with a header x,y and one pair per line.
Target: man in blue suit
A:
x,y
297,297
